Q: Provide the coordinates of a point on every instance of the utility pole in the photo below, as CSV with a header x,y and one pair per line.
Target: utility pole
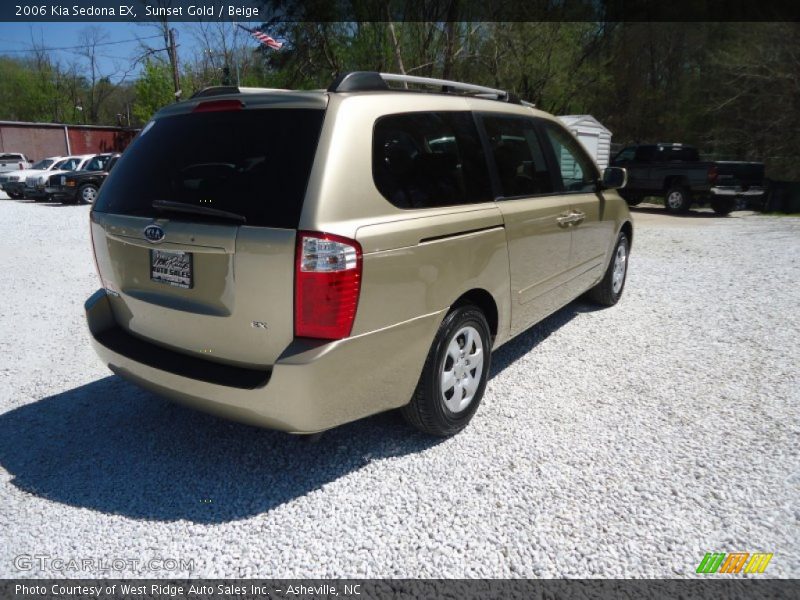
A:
x,y
173,59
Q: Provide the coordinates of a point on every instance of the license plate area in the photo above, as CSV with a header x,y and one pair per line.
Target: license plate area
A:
x,y
171,267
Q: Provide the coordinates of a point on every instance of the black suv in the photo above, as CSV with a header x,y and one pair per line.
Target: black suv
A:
x,y
81,186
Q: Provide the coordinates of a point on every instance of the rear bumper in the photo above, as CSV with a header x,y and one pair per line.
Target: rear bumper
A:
x,y
736,192
310,388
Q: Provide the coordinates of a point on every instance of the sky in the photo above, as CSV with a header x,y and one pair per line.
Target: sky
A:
x,y
15,40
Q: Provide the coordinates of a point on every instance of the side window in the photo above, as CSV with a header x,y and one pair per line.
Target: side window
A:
x,y
578,173
96,164
626,155
518,155
429,159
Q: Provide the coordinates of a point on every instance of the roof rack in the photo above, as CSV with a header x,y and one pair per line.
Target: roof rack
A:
x,y
372,81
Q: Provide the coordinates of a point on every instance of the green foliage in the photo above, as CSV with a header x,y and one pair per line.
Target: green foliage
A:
x,y
154,89
730,88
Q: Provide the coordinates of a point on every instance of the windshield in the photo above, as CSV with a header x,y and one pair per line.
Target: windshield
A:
x,y
43,164
253,163
98,163
69,164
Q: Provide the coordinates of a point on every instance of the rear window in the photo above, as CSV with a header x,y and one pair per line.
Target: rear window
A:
x,y
678,153
255,163
11,157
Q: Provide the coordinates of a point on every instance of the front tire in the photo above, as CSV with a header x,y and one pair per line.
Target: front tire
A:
x,y
87,194
677,199
609,290
454,376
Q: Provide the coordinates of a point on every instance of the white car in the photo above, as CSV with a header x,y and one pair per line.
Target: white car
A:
x,y
35,183
11,164
13,161
13,182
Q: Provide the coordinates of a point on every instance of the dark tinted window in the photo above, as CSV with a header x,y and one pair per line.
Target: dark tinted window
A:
x,y
421,160
98,163
626,155
577,170
69,164
518,156
677,153
255,163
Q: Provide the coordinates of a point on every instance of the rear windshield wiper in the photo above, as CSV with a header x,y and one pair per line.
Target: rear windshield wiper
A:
x,y
197,210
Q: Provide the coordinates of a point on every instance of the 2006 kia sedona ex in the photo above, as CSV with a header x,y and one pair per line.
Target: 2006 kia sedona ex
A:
x,y
301,259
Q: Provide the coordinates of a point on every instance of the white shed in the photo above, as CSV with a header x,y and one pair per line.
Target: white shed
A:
x,y
592,134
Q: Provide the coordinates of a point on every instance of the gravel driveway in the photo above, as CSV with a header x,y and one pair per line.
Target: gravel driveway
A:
x,y
620,442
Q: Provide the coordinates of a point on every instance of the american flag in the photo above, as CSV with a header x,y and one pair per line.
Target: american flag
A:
x,y
263,38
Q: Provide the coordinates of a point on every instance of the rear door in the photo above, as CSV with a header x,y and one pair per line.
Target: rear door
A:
x,y
194,229
534,215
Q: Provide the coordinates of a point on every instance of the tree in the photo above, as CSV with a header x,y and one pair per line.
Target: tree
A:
x,y
153,90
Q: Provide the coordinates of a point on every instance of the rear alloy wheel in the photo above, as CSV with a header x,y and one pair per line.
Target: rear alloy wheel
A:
x,y
677,199
609,290
454,376
722,207
87,194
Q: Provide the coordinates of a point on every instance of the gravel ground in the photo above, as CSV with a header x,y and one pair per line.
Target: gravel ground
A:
x,y
619,442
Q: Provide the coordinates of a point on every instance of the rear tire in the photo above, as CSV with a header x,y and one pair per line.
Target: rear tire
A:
x,y
722,207
610,288
454,376
677,199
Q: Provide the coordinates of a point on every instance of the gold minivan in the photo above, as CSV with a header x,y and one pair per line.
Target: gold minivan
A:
x,y
301,259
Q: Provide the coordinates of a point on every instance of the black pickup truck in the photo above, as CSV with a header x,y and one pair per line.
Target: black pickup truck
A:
x,y
81,186
676,172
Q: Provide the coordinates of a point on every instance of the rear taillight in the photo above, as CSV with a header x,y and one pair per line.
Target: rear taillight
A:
x,y
326,286
712,174
218,106
21,166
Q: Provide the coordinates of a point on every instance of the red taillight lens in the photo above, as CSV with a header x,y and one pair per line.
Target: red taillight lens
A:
x,y
218,105
21,166
712,174
326,286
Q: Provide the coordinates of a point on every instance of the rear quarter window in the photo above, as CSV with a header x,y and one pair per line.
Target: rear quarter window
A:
x,y
429,159
255,163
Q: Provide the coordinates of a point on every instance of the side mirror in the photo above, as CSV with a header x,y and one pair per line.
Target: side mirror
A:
x,y
614,178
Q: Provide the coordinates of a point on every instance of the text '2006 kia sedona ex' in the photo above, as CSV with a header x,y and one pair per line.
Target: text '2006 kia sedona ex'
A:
x,y
301,259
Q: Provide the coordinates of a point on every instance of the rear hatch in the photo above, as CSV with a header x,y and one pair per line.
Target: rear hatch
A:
x,y
194,229
740,174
